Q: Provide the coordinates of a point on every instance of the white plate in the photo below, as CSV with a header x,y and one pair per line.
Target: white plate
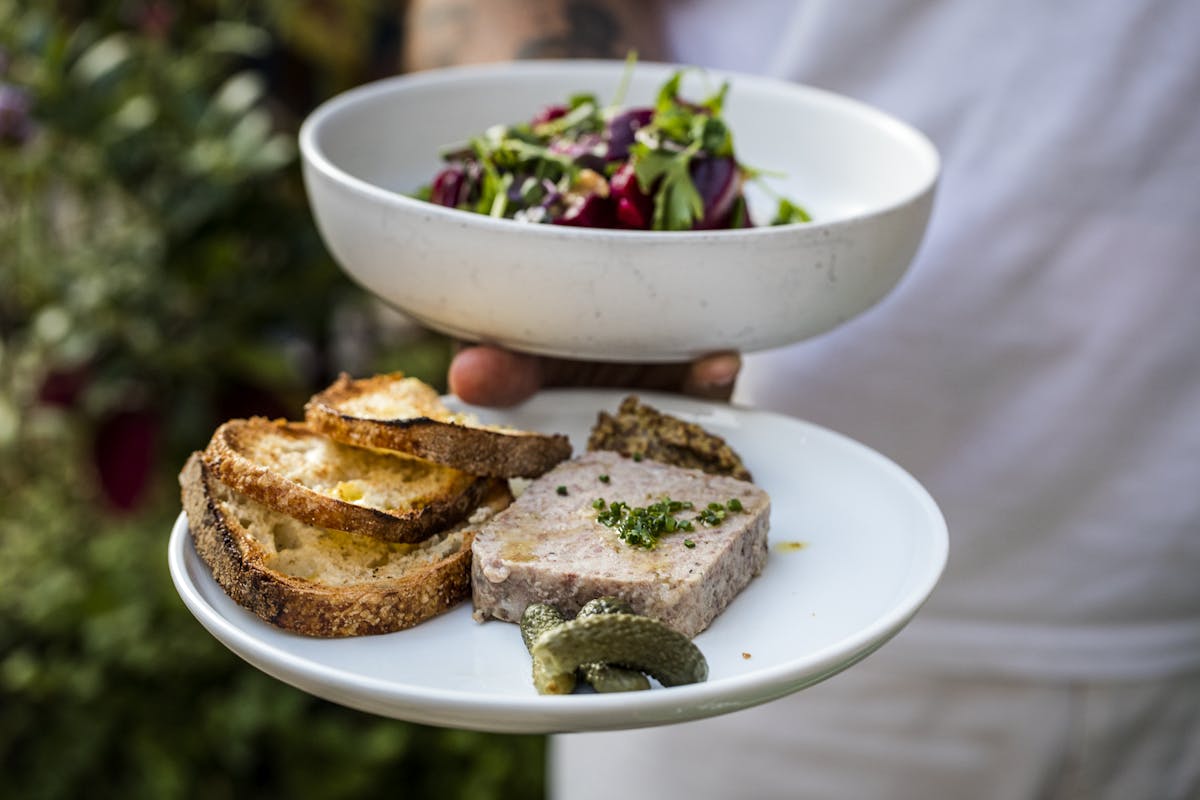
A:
x,y
856,547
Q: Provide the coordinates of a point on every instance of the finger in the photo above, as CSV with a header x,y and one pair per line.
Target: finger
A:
x,y
616,375
712,377
488,376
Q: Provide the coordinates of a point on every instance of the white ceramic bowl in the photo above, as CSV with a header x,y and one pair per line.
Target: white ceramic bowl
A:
x,y
867,179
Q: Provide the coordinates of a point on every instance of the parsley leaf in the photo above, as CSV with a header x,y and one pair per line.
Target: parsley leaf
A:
x,y
665,175
649,165
677,204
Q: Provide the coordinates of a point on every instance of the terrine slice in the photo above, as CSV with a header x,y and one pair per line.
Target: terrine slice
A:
x,y
549,547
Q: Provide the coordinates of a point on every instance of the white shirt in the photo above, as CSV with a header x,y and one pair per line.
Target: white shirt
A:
x,y
1038,369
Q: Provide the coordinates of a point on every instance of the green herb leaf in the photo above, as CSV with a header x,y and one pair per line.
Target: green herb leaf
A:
x,y
677,124
677,204
582,98
741,214
643,526
716,103
669,92
715,137
582,118
650,165
626,77
789,213
500,197
713,515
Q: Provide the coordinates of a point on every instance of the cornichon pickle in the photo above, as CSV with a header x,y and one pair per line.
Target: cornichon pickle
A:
x,y
536,620
605,605
607,677
627,640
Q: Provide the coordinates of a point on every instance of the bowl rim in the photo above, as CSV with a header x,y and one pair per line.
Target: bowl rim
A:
x,y
314,156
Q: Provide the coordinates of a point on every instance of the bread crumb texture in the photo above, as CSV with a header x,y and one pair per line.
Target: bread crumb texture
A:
x,y
335,558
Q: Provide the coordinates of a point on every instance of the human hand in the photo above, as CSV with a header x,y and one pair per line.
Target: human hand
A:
x,y
489,376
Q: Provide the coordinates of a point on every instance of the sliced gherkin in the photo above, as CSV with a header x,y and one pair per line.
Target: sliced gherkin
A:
x,y
606,678
603,677
605,605
536,620
626,640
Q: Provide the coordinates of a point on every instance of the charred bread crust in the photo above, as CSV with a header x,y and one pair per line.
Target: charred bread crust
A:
x,y
305,606
475,450
226,455
641,430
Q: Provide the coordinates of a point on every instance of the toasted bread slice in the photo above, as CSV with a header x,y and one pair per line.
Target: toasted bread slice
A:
x,y
321,582
642,431
392,412
288,467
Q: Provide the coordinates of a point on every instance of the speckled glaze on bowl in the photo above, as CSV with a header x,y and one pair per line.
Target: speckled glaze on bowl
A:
x,y
867,179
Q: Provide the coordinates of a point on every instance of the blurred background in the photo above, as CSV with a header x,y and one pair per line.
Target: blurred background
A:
x,y
159,273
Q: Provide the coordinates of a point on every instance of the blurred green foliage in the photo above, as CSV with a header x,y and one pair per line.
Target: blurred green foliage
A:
x,y
159,272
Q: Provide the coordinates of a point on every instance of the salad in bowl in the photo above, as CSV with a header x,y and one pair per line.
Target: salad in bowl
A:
x,y
666,167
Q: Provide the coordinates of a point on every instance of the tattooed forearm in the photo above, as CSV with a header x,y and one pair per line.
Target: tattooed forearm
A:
x,y
445,32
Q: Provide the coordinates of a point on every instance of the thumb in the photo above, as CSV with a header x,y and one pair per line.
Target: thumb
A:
x,y
489,376
712,377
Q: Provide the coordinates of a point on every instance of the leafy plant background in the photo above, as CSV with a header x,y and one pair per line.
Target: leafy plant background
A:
x,y
159,273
